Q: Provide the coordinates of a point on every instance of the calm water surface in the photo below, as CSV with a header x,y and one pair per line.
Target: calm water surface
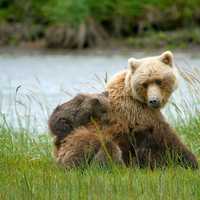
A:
x,y
33,83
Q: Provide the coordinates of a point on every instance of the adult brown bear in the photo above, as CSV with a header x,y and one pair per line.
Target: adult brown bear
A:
x,y
135,131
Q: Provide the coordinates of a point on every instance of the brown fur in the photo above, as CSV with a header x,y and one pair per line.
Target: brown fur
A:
x,y
86,145
79,111
136,134
130,106
92,143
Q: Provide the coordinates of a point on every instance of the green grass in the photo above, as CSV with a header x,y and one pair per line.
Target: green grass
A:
x,y
28,171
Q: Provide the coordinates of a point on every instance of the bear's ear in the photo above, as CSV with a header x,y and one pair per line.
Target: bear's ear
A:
x,y
133,64
167,58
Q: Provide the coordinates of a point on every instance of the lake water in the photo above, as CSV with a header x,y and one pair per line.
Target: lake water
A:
x,y
32,83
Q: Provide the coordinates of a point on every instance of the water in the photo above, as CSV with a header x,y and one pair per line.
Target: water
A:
x,y
33,83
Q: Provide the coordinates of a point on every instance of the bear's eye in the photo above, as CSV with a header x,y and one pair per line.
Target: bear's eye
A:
x,y
144,85
158,82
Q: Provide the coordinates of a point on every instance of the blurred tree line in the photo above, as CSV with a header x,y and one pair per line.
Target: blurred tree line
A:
x,y
82,23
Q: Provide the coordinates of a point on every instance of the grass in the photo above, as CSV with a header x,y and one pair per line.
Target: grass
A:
x,y
28,171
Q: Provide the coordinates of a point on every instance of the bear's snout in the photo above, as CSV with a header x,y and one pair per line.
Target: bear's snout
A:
x,y
154,102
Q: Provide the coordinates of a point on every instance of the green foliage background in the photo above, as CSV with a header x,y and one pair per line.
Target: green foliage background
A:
x,y
127,13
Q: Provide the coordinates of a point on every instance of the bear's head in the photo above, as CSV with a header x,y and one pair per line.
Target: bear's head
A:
x,y
152,80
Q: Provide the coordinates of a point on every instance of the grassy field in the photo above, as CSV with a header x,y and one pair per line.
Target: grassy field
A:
x,y
28,171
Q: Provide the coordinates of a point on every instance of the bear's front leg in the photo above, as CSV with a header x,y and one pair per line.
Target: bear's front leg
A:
x,y
172,146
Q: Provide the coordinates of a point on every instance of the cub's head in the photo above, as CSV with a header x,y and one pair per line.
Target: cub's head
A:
x,y
95,106
152,80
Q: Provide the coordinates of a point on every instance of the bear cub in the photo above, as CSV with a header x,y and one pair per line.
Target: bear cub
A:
x,y
75,136
78,112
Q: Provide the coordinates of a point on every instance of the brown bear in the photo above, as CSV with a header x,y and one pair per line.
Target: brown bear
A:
x,y
136,96
79,111
84,146
74,126
92,143
137,132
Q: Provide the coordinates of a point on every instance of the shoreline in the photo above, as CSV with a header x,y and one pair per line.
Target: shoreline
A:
x,y
113,48
183,40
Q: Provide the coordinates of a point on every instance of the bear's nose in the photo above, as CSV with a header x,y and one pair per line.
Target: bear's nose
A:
x,y
154,102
